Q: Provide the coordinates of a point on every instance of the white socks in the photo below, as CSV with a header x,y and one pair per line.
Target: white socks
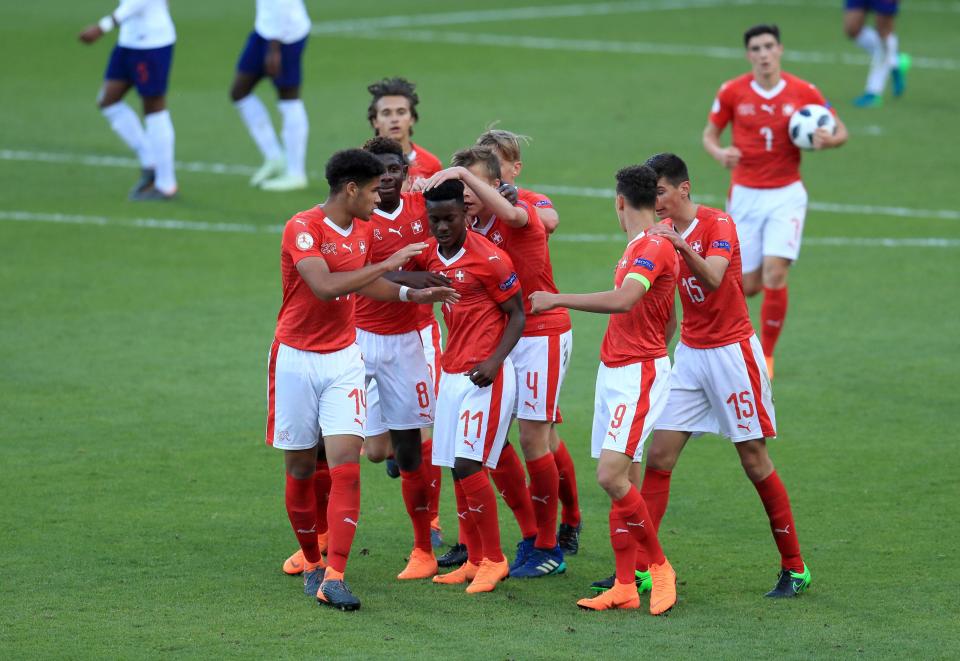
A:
x,y
296,127
125,123
255,116
883,57
893,50
161,137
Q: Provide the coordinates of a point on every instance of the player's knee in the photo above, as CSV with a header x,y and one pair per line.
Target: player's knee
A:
x,y
301,470
751,289
661,458
612,481
375,452
238,92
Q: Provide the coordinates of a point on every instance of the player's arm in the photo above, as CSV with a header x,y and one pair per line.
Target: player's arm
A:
x,y
671,328
489,196
549,217
728,157
124,11
418,279
484,373
383,289
603,302
709,272
824,139
327,285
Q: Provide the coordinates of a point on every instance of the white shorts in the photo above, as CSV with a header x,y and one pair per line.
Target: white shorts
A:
x,y
399,388
308,392
724,390
628,402
541,363
432,339
471,422
769,222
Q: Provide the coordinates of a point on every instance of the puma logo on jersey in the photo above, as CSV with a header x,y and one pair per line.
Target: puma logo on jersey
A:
x,y
347,247
768,107
493,257
395,231
347,519
301,222
540,499
472,445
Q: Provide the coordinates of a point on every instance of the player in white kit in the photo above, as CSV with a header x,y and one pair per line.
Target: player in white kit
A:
x,y
141,58
275,49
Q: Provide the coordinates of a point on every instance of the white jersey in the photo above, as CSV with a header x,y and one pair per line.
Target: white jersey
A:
x,y
284,20
144,24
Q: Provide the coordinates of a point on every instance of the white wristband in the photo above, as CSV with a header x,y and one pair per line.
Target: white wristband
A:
x,y
106,24
403,293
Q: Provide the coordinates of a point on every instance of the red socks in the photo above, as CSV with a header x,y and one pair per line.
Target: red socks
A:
x,y
544,488
416,496
343,514
656,493
321,489
777,504
511,482
633,511
773,312
570,513
469,534
482,508
624,547
302,510
433,475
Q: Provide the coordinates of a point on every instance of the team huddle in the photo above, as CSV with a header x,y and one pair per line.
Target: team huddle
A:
x,y
356,366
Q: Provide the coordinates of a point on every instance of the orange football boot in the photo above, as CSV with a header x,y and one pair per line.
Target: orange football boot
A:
x,y
489,575
466,572
621,595
422,564
663,595
294,564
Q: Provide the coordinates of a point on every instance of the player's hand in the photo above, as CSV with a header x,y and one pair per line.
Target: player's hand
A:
x,y
485,373
730,157
91,34
422,279
542,301
442,176
395,261
510,193
668,233
417,186
822,138
446,295
272,63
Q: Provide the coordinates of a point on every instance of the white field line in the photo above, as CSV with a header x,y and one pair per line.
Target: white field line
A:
x,y
250,228
92,160
626,47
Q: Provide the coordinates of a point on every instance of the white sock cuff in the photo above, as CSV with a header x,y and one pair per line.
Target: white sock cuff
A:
x,y
116,109
291,106
161,118
868,39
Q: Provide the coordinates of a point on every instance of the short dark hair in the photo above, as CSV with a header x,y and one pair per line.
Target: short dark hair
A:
x,y
449,190
381,145
356,165
669,166
472,155
757,30
638,185
393,87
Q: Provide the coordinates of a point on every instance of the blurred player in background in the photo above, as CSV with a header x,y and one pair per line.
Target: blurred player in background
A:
x,y
275,49
506,146
882,46
632,385
315,370
767,198
392,114
141,58
477,383
719,383
540,360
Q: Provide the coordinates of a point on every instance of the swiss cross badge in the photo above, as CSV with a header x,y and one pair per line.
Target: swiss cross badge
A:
x,y
697,248
459,275
496,237
416,226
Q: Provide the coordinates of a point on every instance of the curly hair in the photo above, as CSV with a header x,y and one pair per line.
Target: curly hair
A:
x,y
382,145
354,165
638,184
393,87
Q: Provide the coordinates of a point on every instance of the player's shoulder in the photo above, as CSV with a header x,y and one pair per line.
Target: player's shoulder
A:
x,y
308,220
426,158
482,249
736,85
712,215
534,198
413,203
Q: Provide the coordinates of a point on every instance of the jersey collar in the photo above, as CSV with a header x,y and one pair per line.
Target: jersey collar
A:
x,y
449,262
690,229
336,228
768,94
483,229
390,216
636,238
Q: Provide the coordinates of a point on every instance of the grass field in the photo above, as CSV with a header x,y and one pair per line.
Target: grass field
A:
x,y
142,516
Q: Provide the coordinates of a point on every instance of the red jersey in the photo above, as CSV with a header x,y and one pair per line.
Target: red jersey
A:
x,y
389,233
538,200
640,334
305,322
720,317
527,247
761,121
484,277
421,163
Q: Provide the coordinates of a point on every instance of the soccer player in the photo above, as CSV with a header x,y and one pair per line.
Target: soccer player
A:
x,y
881,44
767,198
315,370
275,49
632,384
141,58
392,114
540,360
506,146
477,382
719,382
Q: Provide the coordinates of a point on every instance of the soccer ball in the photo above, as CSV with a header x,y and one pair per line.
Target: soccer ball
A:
x,y
808,119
